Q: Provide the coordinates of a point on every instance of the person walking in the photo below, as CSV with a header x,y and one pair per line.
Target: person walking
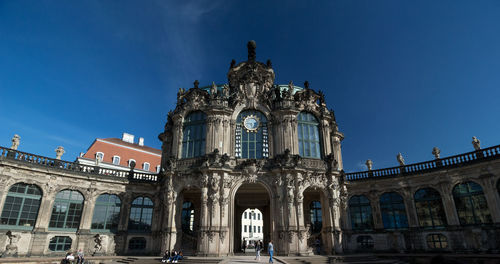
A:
x,y
258,248
270,249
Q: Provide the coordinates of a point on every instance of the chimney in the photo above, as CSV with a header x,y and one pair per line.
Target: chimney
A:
x,y
141,141
128,138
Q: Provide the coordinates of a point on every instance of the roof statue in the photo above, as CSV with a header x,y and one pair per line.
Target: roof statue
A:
x,y
251,50
436,152
15,141
400,159
369,164
476,143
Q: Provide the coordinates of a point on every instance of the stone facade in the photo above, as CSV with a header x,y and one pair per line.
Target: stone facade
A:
x,y
216,175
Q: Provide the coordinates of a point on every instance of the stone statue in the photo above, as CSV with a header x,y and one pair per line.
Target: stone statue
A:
x,y
289,92
269,64
98,243
436,152
59,152
369,164
476,143
251,50
180,94
277,92
225,91
196,83
213,90
11,248
306,84
15,141
400,159
233,63
321,97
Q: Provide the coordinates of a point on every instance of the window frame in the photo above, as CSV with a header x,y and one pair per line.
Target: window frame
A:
x,y
63,243
251,144
360,208
116,157
389,209
308,135
142,214
194,135
144,166
23,205
316,216
429,204
77,214
471,197
108,205
97,155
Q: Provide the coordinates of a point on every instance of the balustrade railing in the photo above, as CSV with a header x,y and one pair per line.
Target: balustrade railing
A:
x,y
427,166
7,153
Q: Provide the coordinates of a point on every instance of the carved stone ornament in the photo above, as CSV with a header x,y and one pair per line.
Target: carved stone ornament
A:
x,y
216,160
11,247
287,160
331,162
400,159
369,164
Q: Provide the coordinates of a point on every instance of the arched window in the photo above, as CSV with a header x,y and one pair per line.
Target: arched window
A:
x,y
194,133
393,211
141,214
106,212
187,217
471,204
116,160
21,205
361,213
316,220
251,135
429,207
67,210
308,130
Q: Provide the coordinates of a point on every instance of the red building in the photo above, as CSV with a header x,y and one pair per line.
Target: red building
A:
x,y
115,153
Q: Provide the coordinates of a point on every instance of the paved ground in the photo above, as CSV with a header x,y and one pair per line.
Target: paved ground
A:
x,y
248,259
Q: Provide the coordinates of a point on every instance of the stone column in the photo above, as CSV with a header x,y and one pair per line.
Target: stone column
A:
x,y
376,212
84,236
325,137
121,237
411,211
177,137
39,238
203,243
448,204
491,195
337,137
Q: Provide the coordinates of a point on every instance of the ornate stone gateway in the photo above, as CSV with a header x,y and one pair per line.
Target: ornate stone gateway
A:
x,y
251,143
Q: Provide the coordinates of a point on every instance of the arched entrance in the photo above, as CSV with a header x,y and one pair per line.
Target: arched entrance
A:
x,y
188,219
256,198
314,208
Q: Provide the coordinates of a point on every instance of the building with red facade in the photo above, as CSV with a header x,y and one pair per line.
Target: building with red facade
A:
x,y
116,153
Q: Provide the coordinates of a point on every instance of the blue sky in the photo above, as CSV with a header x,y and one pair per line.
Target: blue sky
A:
x,y
402,76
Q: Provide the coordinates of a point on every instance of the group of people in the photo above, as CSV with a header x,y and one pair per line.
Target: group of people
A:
x,y
259,246
172,256
70,258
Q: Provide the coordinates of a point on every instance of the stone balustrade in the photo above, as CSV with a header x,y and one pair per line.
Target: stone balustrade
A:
x,y
481,155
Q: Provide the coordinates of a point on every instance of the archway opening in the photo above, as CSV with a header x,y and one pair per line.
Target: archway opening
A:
x,y
252,229
314,220
188,219
252,217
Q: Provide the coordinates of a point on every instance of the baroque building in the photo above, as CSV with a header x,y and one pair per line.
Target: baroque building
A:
x,y
249,144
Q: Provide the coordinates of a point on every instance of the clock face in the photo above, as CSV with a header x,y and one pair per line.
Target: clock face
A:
x,y
251,123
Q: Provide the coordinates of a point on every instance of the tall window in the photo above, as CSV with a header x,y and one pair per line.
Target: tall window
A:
x,y
116,160
393,211
141,214
21,205
106,213
308,130
245,215
67,210
315,212
187,217
429,207
252,138
194,132
361,213
145,166
471,204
